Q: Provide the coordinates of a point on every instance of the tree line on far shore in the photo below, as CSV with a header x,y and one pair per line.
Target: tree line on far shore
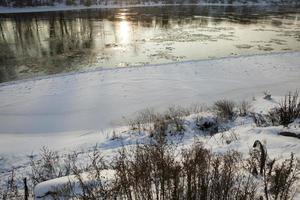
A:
x,y
32,3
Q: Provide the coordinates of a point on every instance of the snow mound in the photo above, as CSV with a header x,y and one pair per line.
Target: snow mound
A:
x,y
45,190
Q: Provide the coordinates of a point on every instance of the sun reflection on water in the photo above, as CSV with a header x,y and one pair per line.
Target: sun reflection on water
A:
x,y
124,30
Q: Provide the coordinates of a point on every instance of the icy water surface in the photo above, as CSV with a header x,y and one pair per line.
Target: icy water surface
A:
x,y
36,44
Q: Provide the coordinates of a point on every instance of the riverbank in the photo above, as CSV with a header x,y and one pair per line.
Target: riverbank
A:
x,y
61,7
59,111
98,99
78,113
185,128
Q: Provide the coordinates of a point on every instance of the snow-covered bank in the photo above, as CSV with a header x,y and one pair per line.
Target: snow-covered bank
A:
x,y
69,111
99,99
61,7
242,132
6,10
238,134
42,189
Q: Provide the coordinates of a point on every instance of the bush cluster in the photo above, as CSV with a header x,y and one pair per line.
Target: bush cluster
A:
x,y
287,111
159,171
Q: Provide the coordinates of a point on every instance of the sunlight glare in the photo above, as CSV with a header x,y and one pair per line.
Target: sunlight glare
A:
x,y
124,31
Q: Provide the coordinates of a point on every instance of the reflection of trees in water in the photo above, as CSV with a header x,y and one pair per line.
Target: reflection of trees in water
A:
x,y
7,63
68,35
40,44
69,39
7,57
26,36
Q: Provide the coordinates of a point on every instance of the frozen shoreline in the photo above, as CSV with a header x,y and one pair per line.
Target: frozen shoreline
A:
x,y
241,134
100,99
58,107
73,112
8,10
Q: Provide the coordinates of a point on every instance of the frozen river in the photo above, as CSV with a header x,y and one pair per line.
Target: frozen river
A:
x,y
37,44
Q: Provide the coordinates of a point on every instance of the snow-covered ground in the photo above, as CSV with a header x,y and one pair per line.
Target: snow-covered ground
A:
x,y
59,111
44,187
241,135
71,111
74,112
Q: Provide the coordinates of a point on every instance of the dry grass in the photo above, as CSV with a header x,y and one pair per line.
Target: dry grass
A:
x,y
224,109
287,111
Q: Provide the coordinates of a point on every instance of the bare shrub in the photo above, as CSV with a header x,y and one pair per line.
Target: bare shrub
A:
x,y
210,176
174,117
261,120
69,162
224,175
244,108
86,181
197,108
287,111
144,120
196,162
246,188
10,189
152,172
158,171
283,178
170,122
94,188
148,172
49,166
278,178
224,109
160,127
122,168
